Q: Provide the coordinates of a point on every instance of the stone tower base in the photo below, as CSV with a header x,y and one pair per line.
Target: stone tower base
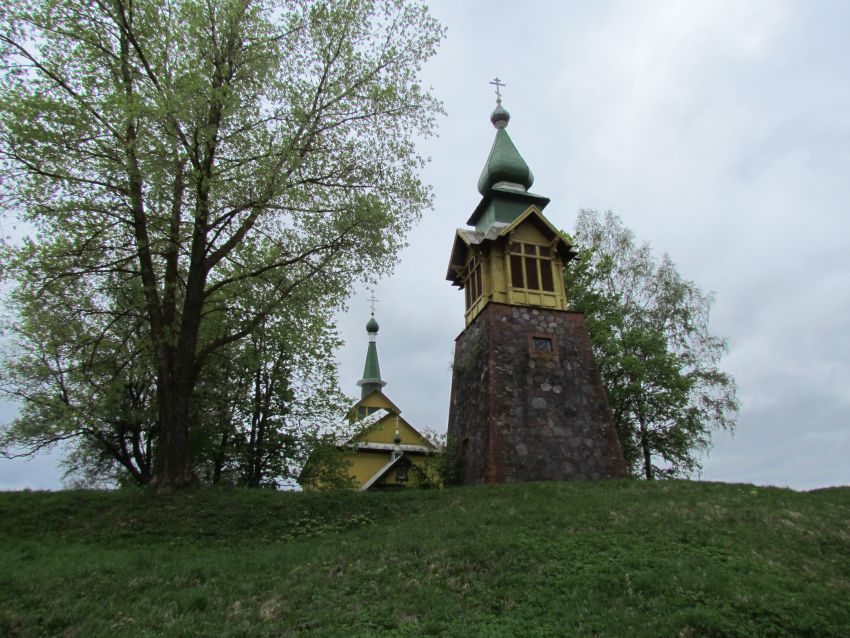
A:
x,y
527,401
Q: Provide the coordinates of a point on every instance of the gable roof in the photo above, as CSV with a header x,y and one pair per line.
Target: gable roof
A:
x,y
534,215
370,421
465,238
367,422
381,473
393,407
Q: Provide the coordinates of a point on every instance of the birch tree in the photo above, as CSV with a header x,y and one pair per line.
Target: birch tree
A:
x,y
659,361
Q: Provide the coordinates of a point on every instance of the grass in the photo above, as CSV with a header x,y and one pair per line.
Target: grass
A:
x,y
680,559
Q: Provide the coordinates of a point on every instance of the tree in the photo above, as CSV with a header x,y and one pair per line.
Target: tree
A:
x,y
258,408
269,400
650,335
82,383
326,468
186,148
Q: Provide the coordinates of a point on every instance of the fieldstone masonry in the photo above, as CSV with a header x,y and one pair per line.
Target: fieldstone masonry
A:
x,y
527,402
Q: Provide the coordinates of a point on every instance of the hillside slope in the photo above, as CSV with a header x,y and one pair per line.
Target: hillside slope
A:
x,y
549,559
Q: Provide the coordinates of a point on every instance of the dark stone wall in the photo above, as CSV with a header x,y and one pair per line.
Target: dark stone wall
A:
x,y
519,413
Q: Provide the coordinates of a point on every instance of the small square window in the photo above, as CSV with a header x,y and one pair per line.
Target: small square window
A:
x,y
542,344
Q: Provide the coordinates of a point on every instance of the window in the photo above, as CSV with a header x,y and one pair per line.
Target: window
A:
x,y
531,267
472,282
542,344
401,469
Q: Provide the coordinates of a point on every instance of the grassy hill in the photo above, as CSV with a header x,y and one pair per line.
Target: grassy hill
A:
x,y
677,559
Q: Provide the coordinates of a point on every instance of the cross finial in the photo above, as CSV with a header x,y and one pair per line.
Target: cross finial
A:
x,y
498,84
372,300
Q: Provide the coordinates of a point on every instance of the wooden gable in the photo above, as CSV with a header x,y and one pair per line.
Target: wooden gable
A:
x,y
384,432
377,399
532,226
530,232
371,403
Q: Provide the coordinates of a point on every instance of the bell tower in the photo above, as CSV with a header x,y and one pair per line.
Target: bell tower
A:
x,y
527,402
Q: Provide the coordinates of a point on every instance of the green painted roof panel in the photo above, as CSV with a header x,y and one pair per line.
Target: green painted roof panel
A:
x,y
504,164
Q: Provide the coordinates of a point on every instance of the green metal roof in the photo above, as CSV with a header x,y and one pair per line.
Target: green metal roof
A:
x,y
372,371
503,205
371,380
504,164
372,326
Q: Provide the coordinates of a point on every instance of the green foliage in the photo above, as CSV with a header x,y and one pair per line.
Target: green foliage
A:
x,y
650,334
432,473
603,559
258,407
326,468
449,465
82,383
191,171
267,400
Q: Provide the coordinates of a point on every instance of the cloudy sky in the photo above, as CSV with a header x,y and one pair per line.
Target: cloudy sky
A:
x,y
719,131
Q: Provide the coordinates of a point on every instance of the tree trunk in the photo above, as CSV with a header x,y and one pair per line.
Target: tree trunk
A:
x,y
178,362
172,457
219,459
259,453
644,444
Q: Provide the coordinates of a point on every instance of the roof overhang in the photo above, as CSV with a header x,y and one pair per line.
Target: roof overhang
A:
x,y
369,421
465,238
368,446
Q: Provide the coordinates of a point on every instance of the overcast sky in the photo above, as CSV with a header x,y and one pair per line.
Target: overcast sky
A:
x,y
718,131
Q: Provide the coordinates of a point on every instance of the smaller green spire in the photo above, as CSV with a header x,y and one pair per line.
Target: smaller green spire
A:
x,y
371,380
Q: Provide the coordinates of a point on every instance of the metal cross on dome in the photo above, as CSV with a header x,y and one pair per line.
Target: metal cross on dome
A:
x,y
372,300
498,84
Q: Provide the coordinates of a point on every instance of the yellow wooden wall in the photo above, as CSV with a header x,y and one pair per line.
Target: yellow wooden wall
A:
x,y
364,465
496,273
384,432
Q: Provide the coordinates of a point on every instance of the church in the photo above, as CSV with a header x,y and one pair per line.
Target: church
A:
x,y
386,452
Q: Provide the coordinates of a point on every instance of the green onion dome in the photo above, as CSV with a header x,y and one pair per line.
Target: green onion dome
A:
x,y
504,163
372,326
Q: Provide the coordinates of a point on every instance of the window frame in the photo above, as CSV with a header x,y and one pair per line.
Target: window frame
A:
x,y
473,281
525,254
543,354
